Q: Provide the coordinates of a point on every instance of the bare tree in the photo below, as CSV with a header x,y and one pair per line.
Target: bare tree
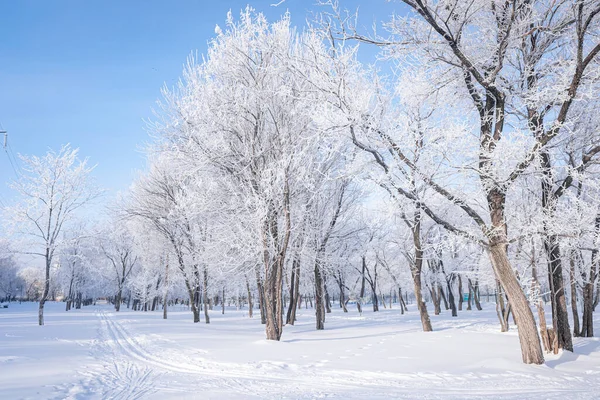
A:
x,y
52,189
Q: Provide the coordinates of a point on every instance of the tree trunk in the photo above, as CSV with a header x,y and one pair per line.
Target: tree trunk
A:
x,y
166,289
587,326
297,299
560,316
319,298
261,297
342,293
402,302
273,292
250,305
327,298
193,305
46,289
70,294
531,349
501,309
205,295
470,297
118,299
576,328
362,287
587,329
292,292
547,335
442,295
476,295
416,269
460,293
436,301
451,298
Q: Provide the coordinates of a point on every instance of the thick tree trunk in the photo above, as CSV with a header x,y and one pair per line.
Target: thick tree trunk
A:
x,y
422,307
416,274
273,301
274,264
531,349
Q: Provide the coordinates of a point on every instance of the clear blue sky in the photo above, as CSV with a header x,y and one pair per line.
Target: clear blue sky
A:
x,y
89,72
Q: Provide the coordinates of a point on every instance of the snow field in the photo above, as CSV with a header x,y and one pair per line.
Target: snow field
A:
x,y
96,353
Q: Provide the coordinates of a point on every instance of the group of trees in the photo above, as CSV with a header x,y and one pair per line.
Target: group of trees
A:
x,y
284,170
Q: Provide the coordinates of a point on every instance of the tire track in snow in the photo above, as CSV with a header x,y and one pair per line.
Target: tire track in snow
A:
x,y
112,375
220,378
250,382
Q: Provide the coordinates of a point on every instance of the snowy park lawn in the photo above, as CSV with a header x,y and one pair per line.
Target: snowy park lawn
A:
x,y
96,353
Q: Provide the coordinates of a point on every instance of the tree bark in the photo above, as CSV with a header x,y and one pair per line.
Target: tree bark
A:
x,y
435,300
451,298
166,291
470,297
576,328
261,297
319,298
528,335
442,295
476,295
587,328
416,269
402,302
460,293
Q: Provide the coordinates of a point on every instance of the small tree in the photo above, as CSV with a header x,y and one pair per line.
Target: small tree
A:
x,y
52,189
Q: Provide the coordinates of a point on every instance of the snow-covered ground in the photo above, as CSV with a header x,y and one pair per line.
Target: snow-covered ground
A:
x,y
96,353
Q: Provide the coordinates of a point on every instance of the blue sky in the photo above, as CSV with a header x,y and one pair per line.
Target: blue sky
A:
x,y
89,72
